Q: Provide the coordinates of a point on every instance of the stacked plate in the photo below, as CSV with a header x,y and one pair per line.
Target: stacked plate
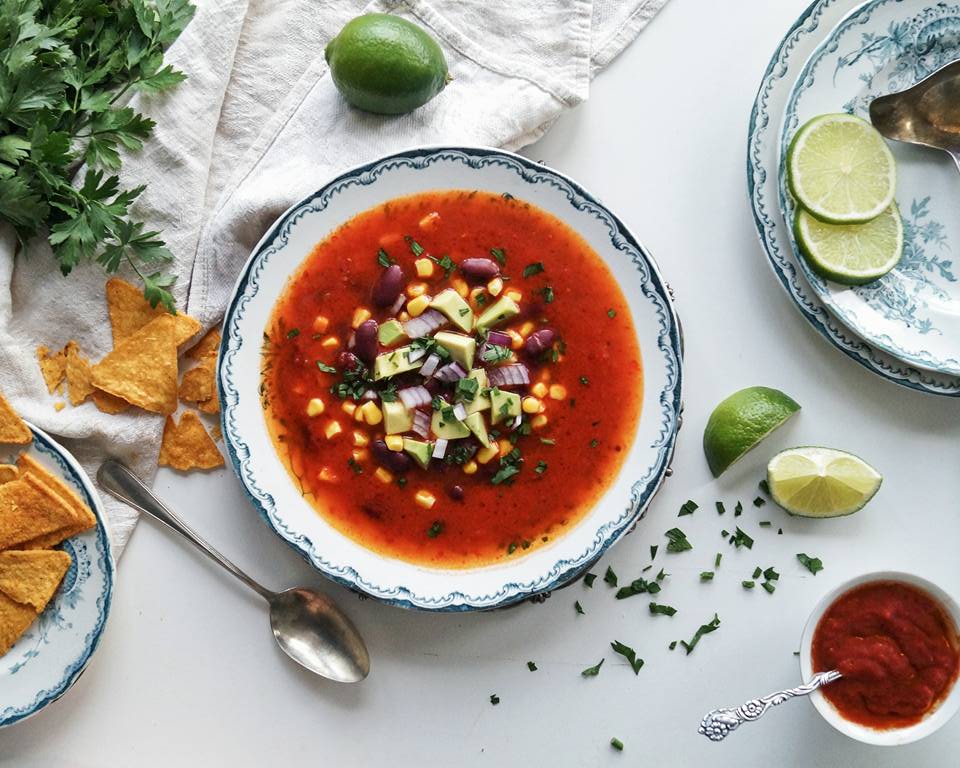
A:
x,y
905,326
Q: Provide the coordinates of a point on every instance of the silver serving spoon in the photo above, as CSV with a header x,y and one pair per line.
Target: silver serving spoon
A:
x,y
927,114
308,626
719,723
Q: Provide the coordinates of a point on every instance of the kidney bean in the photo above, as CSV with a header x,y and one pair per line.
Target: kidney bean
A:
x,y
348,361
456,493
366,344
479,270
396,461
539,342
388,286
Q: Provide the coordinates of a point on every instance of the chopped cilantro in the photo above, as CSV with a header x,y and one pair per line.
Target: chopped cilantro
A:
x,y
578,608
495,353
533,269
688,508
447,265
653,551
658,609
547,441
764,486
764,523
383,258
500,255
293,333
678,541
467,390
661,576
757,572
616,744
326,368
548,295
541,467
716,560
738,510
588,579
741,539
435,530
594,670
611,313
629,654
610,577
706,575
672,645
585,381
747,584
770,574
770,587
638,587
402,481
389,393
531,666
415,247
594,443
759,502
720,508
812,564
705,629
494,699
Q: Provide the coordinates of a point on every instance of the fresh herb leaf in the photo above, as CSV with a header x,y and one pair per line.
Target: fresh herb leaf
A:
x,y
500,255
629,654
610,577
770,574
638,587
293,333
658,609
389,393
383,258
688,508
533,269
446,264
467,389
531,666
436,529
325,368
757,572
548,441
738,510
495,353
611,313
578,608
764,523
759,502
747,584
653,551
588,579
548,295
716,560
594,670
720,508
812,564
616,744
494,699
769,586
355,466
541,467
678,541
741,539
705,629
706,575
415,247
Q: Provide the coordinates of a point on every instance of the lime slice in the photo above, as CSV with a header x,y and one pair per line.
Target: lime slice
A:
x,y
841,170
821,482
851,254
741,421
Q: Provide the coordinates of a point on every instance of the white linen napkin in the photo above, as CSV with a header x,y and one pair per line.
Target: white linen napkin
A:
x,y
257,125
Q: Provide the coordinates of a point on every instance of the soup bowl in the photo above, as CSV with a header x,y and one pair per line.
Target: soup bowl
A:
x,y
262,472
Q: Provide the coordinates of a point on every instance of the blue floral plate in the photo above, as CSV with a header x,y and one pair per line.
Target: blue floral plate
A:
x,y
293,518
802,41
885,46
53,652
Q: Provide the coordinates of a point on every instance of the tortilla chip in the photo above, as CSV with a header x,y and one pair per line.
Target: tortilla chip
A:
x,y
212,405
13,429
198,384
129,312
79,383
8,472
53,367
143,368
187,445
216,433
83,516
30,508
15,619
32,577
209,343
108,403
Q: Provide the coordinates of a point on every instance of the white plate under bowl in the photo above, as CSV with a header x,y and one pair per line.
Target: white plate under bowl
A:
x,y
763,187
292,517
52,653
884,46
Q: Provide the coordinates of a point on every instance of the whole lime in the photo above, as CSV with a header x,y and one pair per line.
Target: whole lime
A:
x,y
741,421
385,64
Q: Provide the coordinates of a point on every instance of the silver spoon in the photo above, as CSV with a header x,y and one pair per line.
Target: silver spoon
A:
x,y
307,625
927,114
720,723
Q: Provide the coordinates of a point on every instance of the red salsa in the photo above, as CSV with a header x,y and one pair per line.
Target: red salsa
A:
x,y
452,378
897,650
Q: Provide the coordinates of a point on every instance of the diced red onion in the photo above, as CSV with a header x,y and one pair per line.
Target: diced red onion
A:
x,y
460,412
440,448
421,423
415,354
398,304
414,397
499,338
508,375
370,394
516,421
450,373
426,323
430,365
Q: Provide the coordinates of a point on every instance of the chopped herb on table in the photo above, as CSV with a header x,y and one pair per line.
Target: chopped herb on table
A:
x,y
688,508
616,744
706,575
741,539
747,584
610,577
769,586
705,629
716,560
759,502
658,609
678,541
653,551
594,670
720,508
588,579
638,587
738,510
812,564
629,654
579,608
764,487
531,666
494,699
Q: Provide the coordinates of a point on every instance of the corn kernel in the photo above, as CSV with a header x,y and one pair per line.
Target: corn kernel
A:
x,y
416,289
360,455
470,468
495,286
460,286
358,414
485,454
526,329
558,392
315,407
360,315
394,442
515,295
320,324
332,429
425,499
505,446
327,475
383,476
430,220
403,316
474,293
349,406
331,342
371,413
418,306
539,390
424,267
531,405
516,340
360,439
538,421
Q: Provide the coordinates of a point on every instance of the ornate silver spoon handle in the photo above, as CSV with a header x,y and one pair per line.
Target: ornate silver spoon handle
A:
x,y
719,723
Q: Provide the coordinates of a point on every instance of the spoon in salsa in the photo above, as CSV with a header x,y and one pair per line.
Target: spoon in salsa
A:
x,y
720,723
307,625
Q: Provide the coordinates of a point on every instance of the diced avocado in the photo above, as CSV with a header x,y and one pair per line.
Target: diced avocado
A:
x,y
503,309
450,303
480,401
445,425
504,405
390,333
391,363
475,422
461,348
396,418
420,451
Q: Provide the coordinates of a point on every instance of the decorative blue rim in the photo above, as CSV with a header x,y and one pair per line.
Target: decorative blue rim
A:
x,y
670,345
46,445
785,271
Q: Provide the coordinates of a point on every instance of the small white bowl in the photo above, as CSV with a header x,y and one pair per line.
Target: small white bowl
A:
x,y
889,737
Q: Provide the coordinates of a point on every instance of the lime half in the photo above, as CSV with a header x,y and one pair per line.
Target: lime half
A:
x,y
741,421
851,254
821,482
841,170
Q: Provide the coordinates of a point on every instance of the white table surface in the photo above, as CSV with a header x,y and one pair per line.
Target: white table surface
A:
x,y
188,673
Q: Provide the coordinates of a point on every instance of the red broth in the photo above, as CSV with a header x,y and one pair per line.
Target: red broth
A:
x,y
590,382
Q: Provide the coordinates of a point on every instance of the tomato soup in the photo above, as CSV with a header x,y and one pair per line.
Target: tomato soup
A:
x,y
452,378
897,650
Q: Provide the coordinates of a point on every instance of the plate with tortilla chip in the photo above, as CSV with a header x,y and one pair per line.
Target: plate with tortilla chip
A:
x,y
56,575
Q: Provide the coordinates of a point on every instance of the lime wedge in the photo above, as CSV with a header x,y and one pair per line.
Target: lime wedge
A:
x,y
851,254
841,170
741,421
821,482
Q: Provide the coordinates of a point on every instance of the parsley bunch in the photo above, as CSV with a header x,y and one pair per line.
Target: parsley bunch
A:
x,y
65,65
